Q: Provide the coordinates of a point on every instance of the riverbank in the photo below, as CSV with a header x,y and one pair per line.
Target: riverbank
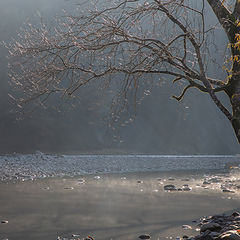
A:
x,y
119,206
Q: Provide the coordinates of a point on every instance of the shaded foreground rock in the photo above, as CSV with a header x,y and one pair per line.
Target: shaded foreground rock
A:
x,y
230,235
219,227
212,226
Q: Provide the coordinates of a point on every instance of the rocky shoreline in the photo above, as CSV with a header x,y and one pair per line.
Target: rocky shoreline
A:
x,y
218,227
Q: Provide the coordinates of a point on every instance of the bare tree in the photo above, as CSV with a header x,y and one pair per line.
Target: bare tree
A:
x,y
128,41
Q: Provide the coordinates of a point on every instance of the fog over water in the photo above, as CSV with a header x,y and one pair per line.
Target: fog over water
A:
x,y
162,125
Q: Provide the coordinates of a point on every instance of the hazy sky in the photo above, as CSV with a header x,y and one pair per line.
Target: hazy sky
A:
x,y
162,125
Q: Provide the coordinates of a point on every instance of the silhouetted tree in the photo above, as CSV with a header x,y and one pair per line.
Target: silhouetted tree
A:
x,y
128,41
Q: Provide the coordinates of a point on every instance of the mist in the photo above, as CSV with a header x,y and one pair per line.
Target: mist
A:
x,y
161,126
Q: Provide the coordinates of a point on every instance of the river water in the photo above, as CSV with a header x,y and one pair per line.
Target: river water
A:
x,y
112,197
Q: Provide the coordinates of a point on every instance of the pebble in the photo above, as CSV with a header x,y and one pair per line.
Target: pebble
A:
x,y
186,187
186,227
170,188
206,183
68,188
4,222
144,236
75,235
215,180
89,238
228,191
81,181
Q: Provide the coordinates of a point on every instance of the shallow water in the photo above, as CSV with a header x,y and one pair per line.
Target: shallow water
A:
x,y
40,165
113,206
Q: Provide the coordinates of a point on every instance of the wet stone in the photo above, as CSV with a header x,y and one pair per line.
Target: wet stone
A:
x,y
170,187
186,188
228,191
206,183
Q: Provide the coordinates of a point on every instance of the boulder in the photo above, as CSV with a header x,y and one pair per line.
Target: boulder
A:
x,y
212,226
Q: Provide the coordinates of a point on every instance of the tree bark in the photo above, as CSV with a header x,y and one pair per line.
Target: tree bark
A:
x,y
229,23
234,95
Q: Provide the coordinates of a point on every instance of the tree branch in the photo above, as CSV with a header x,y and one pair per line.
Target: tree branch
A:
x,y
183,93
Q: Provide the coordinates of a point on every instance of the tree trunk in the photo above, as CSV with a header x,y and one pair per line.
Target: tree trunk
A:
x,y
234,94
